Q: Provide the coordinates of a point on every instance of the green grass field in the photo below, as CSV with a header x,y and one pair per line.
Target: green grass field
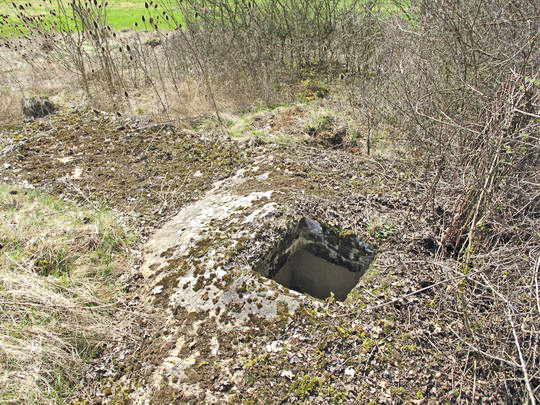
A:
x,y
118,14
121,14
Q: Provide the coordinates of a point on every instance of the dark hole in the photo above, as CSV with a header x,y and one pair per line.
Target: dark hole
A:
x,y
306,273
317,260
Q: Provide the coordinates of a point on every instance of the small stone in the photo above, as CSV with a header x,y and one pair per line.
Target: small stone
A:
x,y
287,374
225,386
377,331
273,347
65,159
157,289
350,372
77,173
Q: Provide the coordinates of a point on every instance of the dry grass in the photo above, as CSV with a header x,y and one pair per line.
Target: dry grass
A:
x,y
162,72
20,79
46,76
59,266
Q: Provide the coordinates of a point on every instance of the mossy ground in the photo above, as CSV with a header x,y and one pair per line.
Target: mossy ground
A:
x,y
144,170
149,173
384,344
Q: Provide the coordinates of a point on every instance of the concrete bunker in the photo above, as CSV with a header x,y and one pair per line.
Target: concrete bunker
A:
x,y
317,260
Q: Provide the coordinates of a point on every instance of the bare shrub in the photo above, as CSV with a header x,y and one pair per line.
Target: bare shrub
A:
x,y
73,35
452,59
505,155
240,53
256,46
464,82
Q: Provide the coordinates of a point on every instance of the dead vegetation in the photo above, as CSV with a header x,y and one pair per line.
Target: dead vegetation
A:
x,y
59,270
453,90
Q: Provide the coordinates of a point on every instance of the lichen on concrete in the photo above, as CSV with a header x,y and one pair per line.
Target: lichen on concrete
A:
x,y
202,273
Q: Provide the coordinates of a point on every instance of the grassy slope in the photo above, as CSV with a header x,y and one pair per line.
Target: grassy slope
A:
x,y
59,265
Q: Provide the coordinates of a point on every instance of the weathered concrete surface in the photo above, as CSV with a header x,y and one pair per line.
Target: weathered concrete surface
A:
x,y
200,240
203,275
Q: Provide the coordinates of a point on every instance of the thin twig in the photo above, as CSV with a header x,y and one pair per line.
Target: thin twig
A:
x,y
521,359
476,349
78,190
536,268
526,113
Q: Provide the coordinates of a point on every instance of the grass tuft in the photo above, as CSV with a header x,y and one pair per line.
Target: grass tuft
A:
x,y
59,269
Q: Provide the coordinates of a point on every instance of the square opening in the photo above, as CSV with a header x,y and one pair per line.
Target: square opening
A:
x,y
317,260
